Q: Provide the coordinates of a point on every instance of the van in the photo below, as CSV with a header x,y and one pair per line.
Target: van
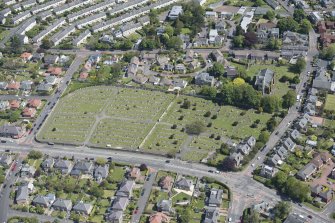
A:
x,y
109,145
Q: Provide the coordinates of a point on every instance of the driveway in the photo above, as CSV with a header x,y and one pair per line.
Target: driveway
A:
x,y
323,180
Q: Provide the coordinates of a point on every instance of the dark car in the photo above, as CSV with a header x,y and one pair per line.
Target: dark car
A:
x,y
167,161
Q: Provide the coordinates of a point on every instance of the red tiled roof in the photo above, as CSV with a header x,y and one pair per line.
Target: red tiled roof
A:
x,y
35,103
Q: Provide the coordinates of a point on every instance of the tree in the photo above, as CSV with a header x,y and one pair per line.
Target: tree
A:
x,y
238,41
184,217
250,39
279,179
305,26
328,52
147,44
46,43
96,192
169,30
14,116
174,43
282,210
238,81
153,17
264,137
195,128
270,103
274,43
186,104
287,24
101,161
299,66
299,15
33,154
16,45
208,91
289,99
270,15
217,70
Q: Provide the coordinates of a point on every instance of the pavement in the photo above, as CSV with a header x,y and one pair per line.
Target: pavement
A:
x,y
145,194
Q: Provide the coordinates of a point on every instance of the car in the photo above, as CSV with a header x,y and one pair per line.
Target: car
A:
x,y
210,171
4,186
253,165
109,158
167,161
277,133
259,158
3,141
217,172
229,220
310,216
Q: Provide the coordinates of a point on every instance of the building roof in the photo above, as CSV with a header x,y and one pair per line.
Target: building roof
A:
x,y
125,187
211,215
35,103
164,205
158,218
215,197
83,207
101,171
22,193
185,183
307,170
63,204
120,203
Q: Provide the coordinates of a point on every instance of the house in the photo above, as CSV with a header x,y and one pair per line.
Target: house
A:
x,y
268,171
11,131
220,26
307,171
217,55
29,112
164,206
175,12
179,83
133,66
166,183
35,103
55,71
83,208
204,79
44,87
295,218
211,15
159,217
273,4
184,184
63,165
140,79
211,215
243,148
101,172
27,171
134,173
50,59
26,56
193,65
14,104
22,195
6,160
52,80
62,205
82,167
3,85
26,85
115,217
126,189
215,198
154,80
275,160
295,135
289,144
44,201
83,76
47,164
213,33
302,123
13,85
120,203
37,57
4,105
265,81
251,141
231,72
180,68
282,153
322,80
237,158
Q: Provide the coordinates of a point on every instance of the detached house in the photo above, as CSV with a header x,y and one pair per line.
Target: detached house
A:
x,y
44,201
134,173
47,164
184,184
265,81
6,160
26,56
166,183
126,189
204,79
11,131
101,172
211,215
120,203
82,167
164,206
62,205
215,198
83,208
22,195
63,165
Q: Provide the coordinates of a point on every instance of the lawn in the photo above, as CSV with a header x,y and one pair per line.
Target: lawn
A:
x,y
330,102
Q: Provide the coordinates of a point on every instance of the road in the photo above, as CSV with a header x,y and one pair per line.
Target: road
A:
x,y
5,192
145,194
241,185
54,98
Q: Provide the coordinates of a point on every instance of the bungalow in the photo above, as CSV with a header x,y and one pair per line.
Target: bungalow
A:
x,y
35,103
6,160
22,195
268,171
159,217
26,85
120,203
47,164
289,144
204,79
115,217
265,81
62,205
82,167
166,183
101,172
29,112
307,171
63,165
126,189
83,208
26,56
184,184
11,131
44,201
164,206
211,215
13,85
27,171
215,198
55,71
14,104
134,173
180,68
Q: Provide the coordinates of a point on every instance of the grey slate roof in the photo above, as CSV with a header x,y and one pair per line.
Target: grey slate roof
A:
x,y
125,188
120,203
215,197
184,183
22,193
164,205
101,171
83,207
211,215
62,204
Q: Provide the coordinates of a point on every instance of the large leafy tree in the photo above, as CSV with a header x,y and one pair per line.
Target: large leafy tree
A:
x,y
289,99
288,24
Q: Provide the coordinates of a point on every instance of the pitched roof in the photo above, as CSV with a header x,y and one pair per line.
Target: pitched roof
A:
x,y
63,204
